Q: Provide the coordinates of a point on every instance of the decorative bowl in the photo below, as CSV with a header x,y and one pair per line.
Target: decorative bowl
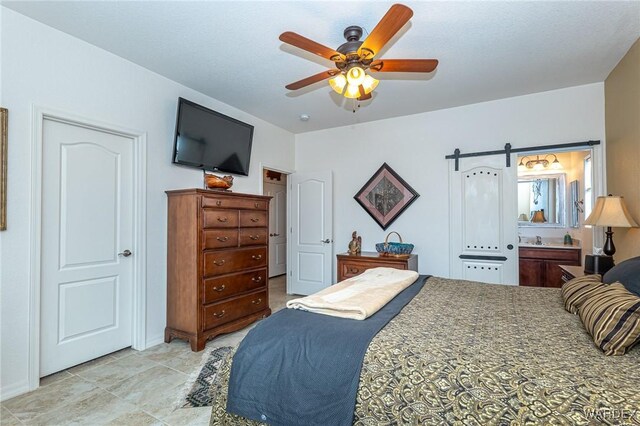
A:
x,y
394,249
216,182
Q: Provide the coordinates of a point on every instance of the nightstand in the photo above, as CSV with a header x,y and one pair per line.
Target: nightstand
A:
x,y
350,265
570,272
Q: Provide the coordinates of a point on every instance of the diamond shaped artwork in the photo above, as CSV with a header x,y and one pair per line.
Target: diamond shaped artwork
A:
x,y
385,196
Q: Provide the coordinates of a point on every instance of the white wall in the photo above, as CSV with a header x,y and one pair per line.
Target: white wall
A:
x,y
45,67
415,147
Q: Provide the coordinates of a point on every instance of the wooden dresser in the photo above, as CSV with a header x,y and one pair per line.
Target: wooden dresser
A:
x,y
217,263
350,265
540,267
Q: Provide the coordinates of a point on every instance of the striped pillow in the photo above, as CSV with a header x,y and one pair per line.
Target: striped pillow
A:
x,y
613,319
576,291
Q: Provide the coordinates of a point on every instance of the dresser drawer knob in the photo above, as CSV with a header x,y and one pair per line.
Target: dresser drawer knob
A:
x,y
257,279
256,205
222,239
219,314
223,219
256,257
256,302
219,289
218,203
255,219
218,262
254,237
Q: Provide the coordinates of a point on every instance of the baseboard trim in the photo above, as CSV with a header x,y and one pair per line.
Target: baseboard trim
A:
x,y
154,341
8,392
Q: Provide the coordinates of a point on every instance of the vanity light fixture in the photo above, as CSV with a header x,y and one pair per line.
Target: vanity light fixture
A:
x,y
539,164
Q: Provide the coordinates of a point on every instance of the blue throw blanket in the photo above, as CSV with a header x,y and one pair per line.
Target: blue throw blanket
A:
x,y
301,368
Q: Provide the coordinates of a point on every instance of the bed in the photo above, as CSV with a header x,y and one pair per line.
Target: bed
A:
x,y
480,354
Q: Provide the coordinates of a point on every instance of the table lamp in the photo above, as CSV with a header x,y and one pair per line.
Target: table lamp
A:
x,y
610,211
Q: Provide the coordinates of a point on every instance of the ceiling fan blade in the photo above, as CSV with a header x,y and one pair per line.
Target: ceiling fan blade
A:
x,y
403,65
313,79
389,25
311,46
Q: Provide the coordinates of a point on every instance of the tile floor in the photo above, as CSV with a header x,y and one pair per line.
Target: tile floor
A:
x,y
127,387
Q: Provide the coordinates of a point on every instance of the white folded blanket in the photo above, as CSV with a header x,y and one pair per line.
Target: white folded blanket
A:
x,y
358,297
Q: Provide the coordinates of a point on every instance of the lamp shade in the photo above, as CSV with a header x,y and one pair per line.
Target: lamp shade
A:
x,y
610,211
538,217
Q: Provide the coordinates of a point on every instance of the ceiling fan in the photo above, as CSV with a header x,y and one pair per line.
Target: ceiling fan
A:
x,y
353,58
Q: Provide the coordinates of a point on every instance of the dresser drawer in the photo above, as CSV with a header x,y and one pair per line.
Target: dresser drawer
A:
x,y
231,203
351,269
229,285
253,236
224,262
219,238
255,219
223,312
219,218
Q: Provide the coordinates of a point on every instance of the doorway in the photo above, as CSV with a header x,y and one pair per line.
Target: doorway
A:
x,y
555,195
275,186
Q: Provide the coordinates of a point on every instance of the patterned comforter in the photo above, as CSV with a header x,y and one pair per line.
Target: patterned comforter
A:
x,y
479,354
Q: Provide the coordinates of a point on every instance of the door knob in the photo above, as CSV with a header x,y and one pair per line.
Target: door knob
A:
x,y
327,241
125,253
510,246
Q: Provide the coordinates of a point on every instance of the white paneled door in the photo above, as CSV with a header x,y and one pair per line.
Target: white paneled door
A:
x,y
311,243
87,232
277,227
484,228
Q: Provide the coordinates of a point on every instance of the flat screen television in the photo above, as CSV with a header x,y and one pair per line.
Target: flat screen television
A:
x,y
208,140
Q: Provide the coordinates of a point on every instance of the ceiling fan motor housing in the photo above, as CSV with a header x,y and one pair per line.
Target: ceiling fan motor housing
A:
x,y
352,34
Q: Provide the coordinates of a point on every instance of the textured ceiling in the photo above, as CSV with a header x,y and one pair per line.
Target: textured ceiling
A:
x,y
231,51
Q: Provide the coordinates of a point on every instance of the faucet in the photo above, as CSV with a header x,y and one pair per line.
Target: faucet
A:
x,y
538,240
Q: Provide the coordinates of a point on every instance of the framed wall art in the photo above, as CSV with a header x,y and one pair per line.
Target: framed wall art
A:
x,y
385,196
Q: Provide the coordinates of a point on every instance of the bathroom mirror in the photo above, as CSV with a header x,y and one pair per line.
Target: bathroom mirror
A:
x,y
541,200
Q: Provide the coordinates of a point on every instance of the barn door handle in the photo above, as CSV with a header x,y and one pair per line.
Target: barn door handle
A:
x,y
125,253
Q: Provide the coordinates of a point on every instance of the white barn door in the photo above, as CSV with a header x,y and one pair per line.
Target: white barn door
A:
x,y
484,227
311,243
87,236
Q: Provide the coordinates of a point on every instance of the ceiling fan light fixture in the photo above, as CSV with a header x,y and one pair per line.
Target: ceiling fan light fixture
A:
x,y
355,76
369,84
338,83
352,91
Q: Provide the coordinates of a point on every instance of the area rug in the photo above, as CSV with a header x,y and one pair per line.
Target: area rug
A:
x,y
197,388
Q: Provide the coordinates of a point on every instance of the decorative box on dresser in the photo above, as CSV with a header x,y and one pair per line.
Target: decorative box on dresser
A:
x,y
350,265
217,263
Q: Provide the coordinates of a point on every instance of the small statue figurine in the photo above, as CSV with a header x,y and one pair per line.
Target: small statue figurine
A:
x,y
355,245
